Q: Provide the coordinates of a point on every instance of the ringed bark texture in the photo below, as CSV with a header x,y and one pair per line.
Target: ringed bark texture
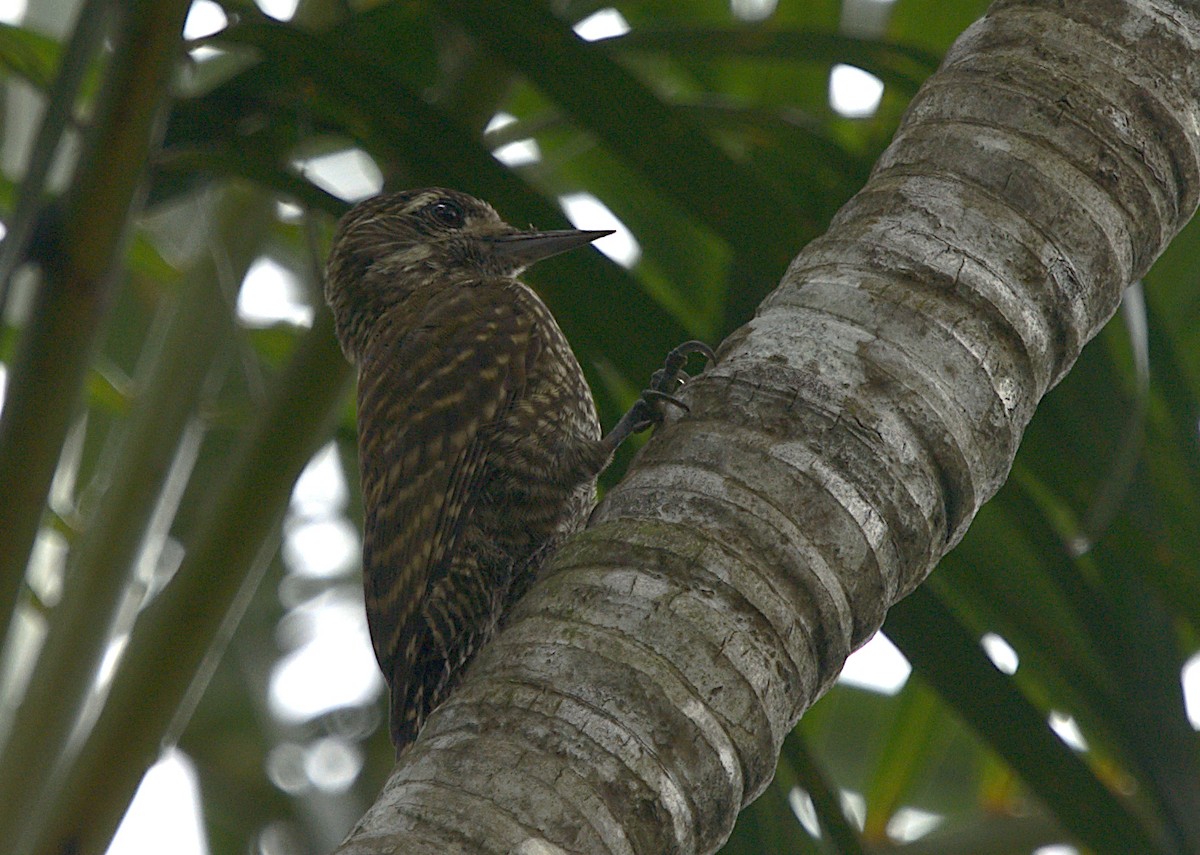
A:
x,y
844,442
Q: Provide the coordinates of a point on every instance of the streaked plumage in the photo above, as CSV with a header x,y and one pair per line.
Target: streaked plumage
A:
x,y
478,436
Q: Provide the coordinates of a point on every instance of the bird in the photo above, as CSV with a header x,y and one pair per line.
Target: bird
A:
x,y
479,441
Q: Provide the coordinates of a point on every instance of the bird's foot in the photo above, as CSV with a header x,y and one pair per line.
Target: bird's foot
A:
x,y
650,409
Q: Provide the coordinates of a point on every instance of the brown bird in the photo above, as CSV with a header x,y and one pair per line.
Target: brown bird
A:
x,y
478,438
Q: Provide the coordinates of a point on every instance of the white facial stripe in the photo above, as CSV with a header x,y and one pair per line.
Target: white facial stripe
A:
x,y
408,256
419,202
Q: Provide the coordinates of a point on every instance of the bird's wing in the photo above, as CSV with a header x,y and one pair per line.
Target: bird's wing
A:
x,y
425,398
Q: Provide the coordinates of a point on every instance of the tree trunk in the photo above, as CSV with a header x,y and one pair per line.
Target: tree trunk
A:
x,y
843,443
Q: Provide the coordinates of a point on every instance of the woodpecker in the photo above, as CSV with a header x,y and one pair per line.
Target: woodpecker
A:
x,y
479,443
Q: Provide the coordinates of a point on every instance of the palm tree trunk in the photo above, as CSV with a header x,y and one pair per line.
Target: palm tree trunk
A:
x,y
843,443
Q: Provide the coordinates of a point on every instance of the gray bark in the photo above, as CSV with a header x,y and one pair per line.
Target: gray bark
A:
x,y
841,446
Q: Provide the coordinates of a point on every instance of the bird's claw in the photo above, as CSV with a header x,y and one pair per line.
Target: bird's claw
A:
x,y
653,394
672,376
649,409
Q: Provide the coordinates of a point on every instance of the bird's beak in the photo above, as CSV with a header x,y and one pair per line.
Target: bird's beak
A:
x,y
525,248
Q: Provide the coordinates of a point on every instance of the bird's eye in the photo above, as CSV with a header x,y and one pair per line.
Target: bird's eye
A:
x,y
448,213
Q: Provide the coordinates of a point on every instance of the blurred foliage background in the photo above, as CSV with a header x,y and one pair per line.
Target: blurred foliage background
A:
x,y
177,579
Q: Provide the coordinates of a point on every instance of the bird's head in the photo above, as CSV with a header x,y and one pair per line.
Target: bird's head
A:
x,y
402,248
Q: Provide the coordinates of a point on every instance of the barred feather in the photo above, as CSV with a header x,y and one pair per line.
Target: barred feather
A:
x,y
478,438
